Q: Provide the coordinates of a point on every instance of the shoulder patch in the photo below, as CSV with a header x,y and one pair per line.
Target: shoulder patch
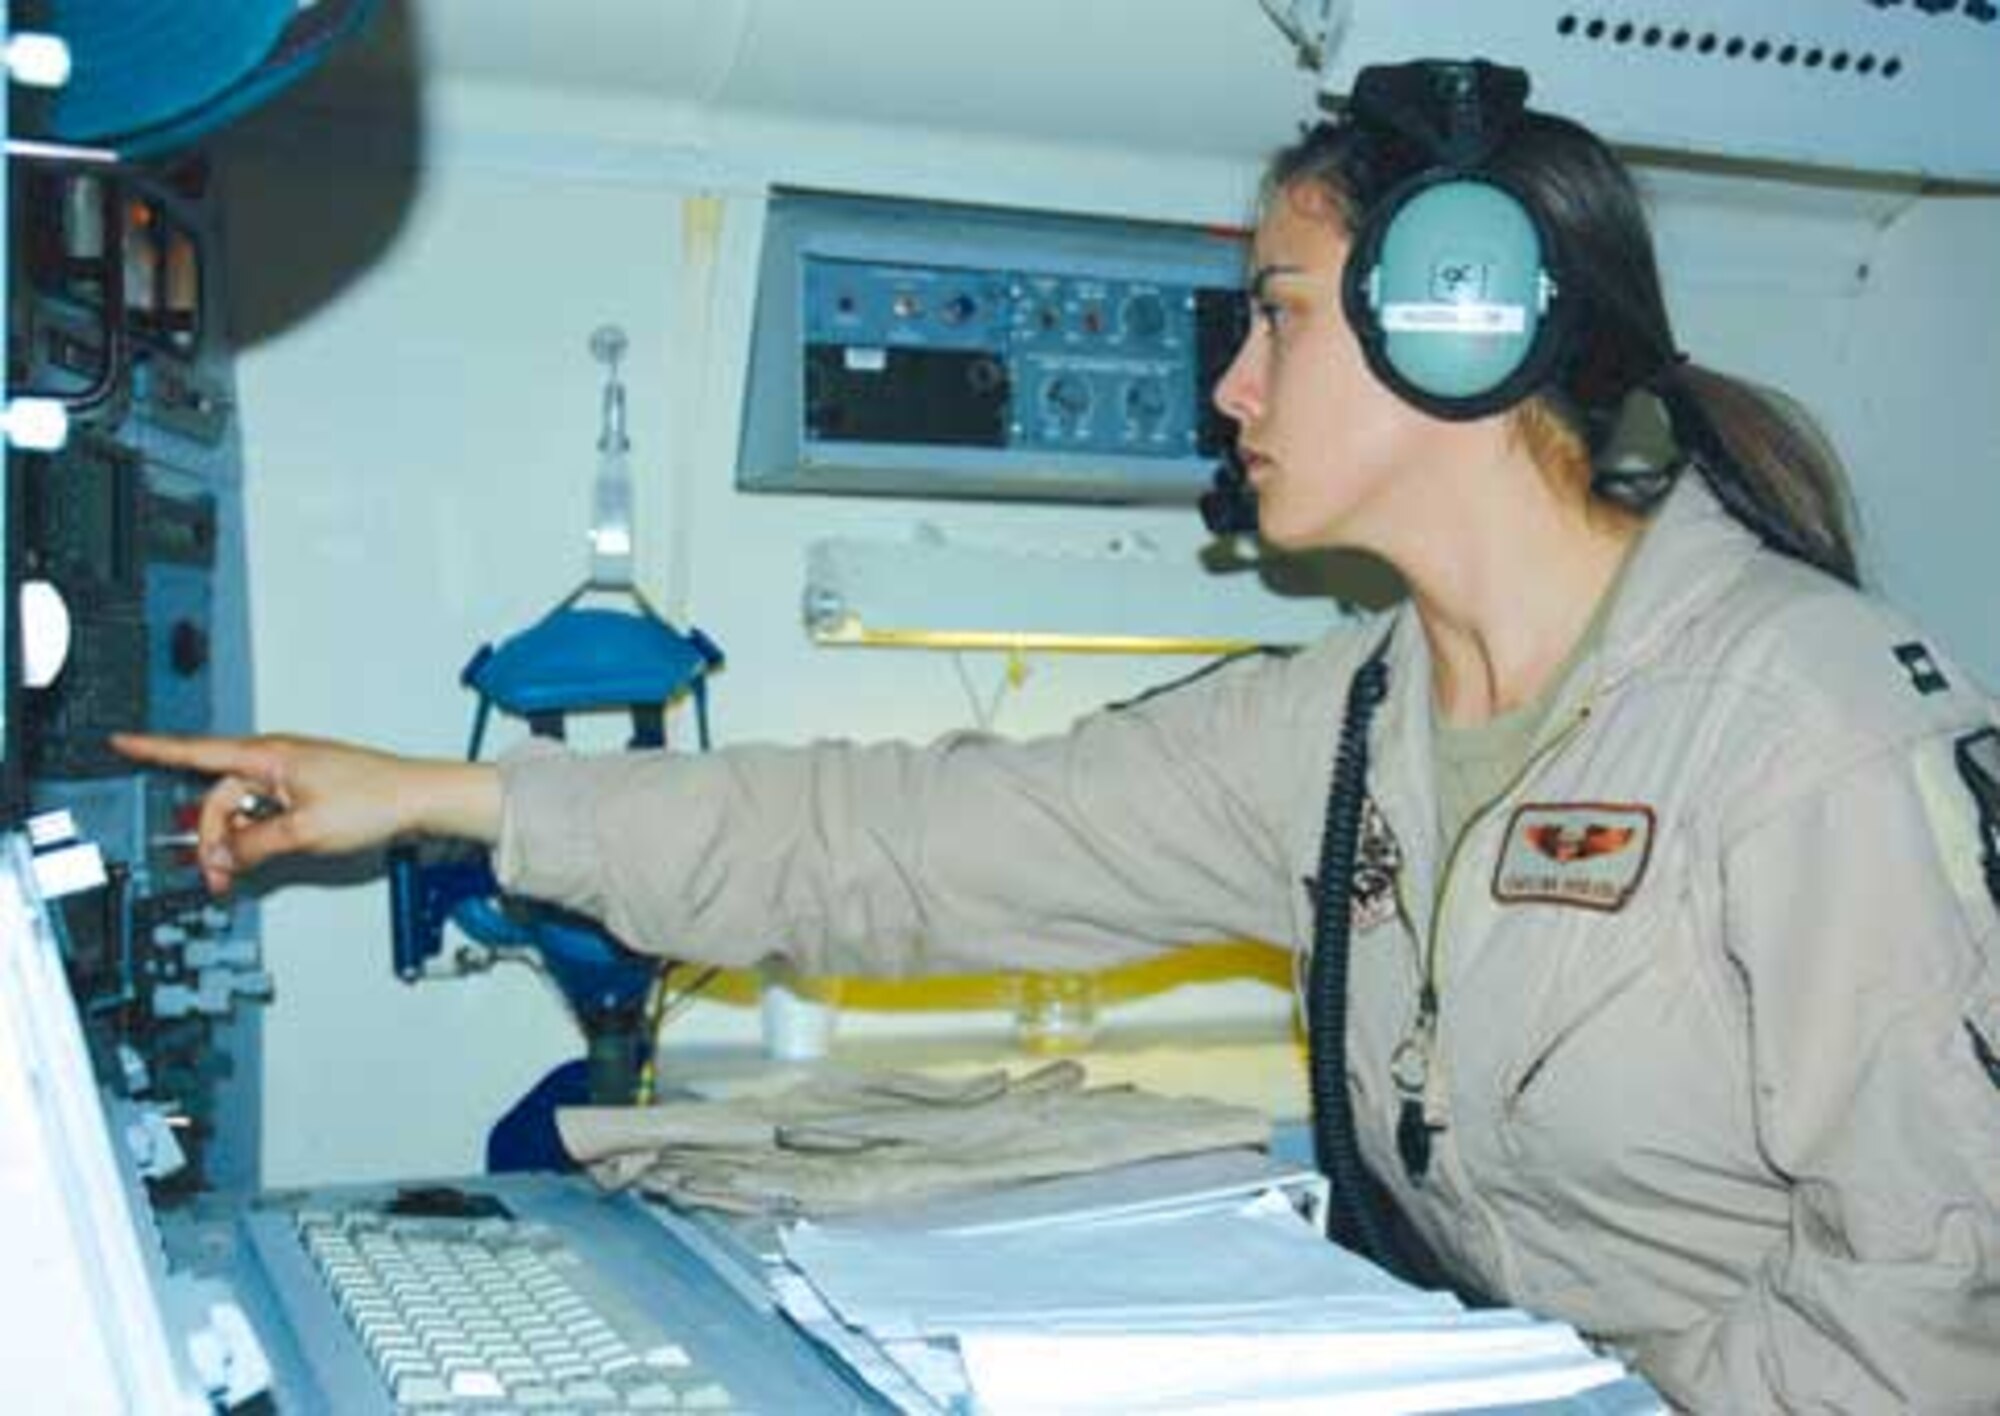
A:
x,y
1982,1052
1964,825
1925,676
1587,854
1978,757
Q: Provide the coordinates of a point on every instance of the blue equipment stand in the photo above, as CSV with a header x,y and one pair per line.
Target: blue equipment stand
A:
x,y
574,660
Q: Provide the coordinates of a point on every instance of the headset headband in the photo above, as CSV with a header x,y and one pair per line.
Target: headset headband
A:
x,y
1458,113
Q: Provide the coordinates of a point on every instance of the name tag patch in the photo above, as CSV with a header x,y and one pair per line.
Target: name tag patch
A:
x,y
1588,854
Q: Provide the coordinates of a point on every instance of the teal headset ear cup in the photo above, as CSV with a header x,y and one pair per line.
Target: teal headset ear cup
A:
x,y
1449,292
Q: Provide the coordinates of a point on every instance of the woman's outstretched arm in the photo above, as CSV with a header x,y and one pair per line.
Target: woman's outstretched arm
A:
x,y
280,795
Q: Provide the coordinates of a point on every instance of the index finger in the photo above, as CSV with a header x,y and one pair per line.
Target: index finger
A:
x,y
215,756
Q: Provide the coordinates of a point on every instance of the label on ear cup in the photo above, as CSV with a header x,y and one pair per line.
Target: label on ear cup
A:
x,y
1471,317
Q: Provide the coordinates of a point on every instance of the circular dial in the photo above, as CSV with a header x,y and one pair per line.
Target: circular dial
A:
x,y
1145,406
1066,401
1144,318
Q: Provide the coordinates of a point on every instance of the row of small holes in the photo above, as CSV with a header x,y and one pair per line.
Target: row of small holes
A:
x,y
1729,47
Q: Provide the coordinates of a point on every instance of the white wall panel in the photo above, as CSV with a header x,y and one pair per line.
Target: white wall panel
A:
x,y
420,452
1919,415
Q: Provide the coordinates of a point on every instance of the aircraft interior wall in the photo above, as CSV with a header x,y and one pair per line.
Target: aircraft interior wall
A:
x,y
420,431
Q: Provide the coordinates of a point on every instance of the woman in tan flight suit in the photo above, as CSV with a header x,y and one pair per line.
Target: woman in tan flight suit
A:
x,y
1642,861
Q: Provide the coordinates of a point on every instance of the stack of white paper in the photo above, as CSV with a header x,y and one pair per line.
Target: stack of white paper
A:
x,y
1228,1302
1377,1368
1250,1264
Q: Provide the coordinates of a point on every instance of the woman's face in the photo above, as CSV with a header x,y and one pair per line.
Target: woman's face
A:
x,y
1329,449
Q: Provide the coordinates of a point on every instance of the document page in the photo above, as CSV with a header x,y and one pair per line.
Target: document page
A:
x,y
1254,1263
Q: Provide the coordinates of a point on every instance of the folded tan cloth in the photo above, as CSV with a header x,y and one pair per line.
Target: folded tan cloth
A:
x,y
838,1144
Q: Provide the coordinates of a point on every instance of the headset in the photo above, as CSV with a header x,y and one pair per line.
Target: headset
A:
x,y
1452,284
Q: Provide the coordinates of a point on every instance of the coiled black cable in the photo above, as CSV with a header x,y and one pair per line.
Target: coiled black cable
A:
x,y
1353,1217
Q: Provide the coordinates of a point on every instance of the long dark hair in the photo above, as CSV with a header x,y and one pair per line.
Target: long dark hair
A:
x,y
1762,455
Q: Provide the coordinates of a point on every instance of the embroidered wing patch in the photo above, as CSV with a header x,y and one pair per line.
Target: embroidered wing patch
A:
x,y
1587,854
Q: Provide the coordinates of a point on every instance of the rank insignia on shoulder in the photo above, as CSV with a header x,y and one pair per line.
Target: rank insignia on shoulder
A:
x,y
1586,854
1925,676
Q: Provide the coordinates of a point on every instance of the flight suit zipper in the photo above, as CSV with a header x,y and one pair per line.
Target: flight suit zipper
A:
x,y
1414,1065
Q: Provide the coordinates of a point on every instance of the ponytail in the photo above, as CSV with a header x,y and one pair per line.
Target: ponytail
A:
x,y
1767,461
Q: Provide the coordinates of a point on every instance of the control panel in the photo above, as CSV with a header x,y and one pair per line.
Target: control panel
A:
x,y
133,561
134,526
929,350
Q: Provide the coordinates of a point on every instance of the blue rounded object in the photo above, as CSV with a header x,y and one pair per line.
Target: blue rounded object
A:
x,y
579,660
149,75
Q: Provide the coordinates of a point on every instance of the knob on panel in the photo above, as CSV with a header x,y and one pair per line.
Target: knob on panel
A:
x,y
1066,400
1145,405
1144,318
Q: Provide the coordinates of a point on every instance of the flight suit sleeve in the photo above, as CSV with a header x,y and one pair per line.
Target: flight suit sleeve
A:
x,y
1140,828
1871,958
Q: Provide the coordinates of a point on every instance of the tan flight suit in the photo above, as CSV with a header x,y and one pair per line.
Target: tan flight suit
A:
x,y
1716,975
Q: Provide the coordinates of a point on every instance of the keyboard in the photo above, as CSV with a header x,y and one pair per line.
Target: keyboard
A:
x,y
494,1311
537,1294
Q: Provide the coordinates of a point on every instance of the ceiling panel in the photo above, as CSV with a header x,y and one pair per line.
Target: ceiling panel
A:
x,y
1197,76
